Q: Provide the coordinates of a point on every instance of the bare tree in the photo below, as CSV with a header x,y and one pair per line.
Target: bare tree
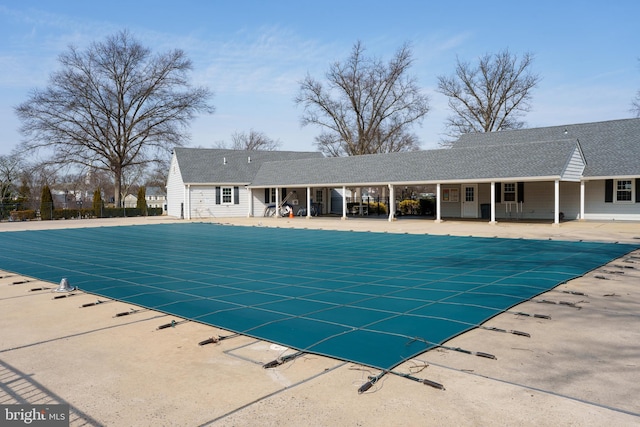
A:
x,y
366,106
10,170
113,106
253,140
491,96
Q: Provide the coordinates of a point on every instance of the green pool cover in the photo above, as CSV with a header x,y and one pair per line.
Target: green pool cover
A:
x,y
375,299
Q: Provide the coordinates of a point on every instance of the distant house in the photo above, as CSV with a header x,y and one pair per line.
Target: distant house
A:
x,y
156,197
580,171
130,201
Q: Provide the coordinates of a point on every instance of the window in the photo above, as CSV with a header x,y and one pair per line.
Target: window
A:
x,y
624,190
450,195
509,192
227,195
318,196
469,194
273,195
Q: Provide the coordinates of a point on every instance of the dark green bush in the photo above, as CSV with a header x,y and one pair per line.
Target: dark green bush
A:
x,y
97,204
141,204
72,213
46,204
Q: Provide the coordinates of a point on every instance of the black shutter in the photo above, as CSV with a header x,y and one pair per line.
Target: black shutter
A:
x,y
608,191
267,195
520,192
637,190
236,195
498,190
217,195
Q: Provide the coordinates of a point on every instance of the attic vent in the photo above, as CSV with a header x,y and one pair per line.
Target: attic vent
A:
x,y
224,160
249,159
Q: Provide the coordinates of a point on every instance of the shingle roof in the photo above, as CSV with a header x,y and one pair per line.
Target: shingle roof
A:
x,y
608,146
526,154
210,165
155,191
485,163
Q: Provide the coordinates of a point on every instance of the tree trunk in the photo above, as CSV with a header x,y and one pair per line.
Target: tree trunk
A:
x,y
117,173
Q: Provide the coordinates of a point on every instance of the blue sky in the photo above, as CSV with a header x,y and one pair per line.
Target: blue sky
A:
x,y
252,54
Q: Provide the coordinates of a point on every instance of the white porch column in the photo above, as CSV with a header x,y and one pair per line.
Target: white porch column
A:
x,y
308,202
438,203
392,202
493,203
582,192
250,208
277,215
344,202
556,202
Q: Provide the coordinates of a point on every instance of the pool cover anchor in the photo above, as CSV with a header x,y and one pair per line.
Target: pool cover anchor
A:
x,y
506,331
173,324
20,282
567,303
420,380
281,360
127,313
537,316
215,340
91,304
458,349
373,379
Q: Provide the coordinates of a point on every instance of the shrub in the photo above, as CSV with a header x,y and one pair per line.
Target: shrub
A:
x,y
141,204
24,215
97,204
369,208
46,204
409,207
72,213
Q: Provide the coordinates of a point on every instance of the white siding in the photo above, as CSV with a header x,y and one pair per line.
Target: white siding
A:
x,y
451,209
575,167
203,203
175,189
538,201
596,209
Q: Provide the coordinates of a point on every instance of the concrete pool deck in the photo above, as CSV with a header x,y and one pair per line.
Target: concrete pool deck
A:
x,y
581,367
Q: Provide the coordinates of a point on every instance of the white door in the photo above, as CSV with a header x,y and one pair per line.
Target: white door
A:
x,y
470,201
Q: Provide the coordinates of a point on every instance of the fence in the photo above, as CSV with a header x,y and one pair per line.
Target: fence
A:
x,y
10,213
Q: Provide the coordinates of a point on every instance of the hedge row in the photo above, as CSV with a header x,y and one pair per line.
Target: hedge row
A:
x,y
125,212
27,215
